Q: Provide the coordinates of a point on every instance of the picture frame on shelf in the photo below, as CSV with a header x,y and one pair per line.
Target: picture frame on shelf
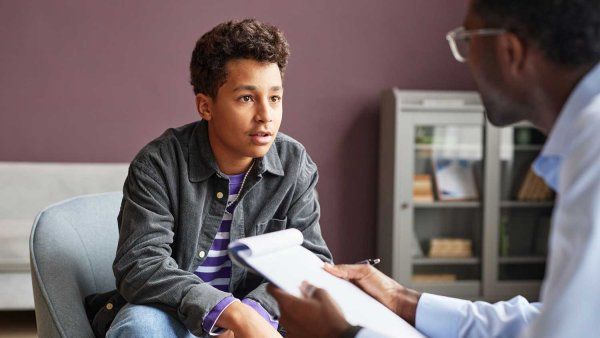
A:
x,y
455,180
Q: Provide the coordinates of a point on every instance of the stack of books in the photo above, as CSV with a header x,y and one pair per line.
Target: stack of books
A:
x,y
450,248
422,188
534,189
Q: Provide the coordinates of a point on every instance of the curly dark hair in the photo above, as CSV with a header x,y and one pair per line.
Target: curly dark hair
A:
x,y
566,31
246,39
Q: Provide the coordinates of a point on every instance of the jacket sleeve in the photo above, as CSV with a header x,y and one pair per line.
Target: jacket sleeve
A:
x,y
144,270
303,214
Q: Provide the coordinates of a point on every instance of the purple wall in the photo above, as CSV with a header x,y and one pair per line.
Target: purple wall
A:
x,y
94,81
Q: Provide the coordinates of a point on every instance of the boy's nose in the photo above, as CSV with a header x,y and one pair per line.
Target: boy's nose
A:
x,y
264,114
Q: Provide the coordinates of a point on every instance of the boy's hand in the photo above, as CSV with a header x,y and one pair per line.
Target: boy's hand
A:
x,y
402,301
243,321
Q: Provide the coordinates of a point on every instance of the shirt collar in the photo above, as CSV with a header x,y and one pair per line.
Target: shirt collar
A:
x,y
564,128
202,163
547,165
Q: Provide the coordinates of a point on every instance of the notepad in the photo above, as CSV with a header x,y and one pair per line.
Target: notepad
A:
x,y
281,259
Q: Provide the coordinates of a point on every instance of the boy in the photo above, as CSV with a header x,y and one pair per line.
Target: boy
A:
x,y
198,187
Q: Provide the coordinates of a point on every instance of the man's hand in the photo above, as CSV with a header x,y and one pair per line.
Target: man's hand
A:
x,y
387,291
314,315
243,321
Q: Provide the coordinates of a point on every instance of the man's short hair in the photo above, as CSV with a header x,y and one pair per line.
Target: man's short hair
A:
x,y
566,31
246,39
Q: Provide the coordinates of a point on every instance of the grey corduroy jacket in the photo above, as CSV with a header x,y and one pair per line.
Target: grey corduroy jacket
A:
x,y
171,211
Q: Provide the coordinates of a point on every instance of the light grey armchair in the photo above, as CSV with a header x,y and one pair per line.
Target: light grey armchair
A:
x,y
72,247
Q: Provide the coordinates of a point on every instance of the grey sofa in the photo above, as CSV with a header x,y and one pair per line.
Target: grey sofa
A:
x,y
72,246
25,189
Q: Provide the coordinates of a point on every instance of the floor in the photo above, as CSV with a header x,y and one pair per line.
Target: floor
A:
x,y
17,324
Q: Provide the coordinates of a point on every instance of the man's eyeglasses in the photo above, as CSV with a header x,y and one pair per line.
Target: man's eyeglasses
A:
x,y
460,39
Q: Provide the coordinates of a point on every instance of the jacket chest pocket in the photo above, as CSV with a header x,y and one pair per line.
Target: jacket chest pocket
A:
x,y
271,226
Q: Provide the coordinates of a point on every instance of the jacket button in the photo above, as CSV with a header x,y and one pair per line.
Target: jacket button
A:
x,y
109,306
219,195
201,254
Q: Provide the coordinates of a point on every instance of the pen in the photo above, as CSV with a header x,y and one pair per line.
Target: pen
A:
x,y
370,261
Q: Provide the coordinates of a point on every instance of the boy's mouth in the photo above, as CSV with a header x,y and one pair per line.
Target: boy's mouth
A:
x,y
261,137
261,133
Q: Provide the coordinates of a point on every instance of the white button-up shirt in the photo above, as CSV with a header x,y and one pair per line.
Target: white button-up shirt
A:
x,y
570,164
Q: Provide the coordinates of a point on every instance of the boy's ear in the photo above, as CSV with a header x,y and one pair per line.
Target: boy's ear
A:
x,y
203,104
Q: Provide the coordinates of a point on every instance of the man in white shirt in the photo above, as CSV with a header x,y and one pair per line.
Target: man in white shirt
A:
x,y
534,61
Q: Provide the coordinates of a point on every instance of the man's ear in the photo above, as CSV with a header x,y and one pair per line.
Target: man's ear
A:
x,y
513,53
204,104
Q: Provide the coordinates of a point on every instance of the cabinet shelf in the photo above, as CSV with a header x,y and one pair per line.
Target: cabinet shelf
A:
x,y
445,261
441,205
524,204
472,106
522,260
427,147
528,147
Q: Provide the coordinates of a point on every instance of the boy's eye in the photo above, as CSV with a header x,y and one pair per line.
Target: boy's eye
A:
x,y
275,98
246,98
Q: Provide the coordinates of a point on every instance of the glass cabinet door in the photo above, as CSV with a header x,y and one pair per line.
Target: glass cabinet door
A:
x,y
525,207
460,213
447,212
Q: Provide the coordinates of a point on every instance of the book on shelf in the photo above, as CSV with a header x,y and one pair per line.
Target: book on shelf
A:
x,y
422,188
524,189
534,189
450,248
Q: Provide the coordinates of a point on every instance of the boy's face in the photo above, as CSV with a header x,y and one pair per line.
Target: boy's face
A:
x,y
244,117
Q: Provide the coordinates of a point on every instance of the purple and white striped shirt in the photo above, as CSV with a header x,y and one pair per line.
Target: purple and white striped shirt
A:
x,y
216,268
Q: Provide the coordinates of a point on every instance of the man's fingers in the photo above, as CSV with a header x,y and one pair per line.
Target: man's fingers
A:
x,y
307,289
272,288
311,291
321,295
278,294
285,300
334,270
275,291
349,271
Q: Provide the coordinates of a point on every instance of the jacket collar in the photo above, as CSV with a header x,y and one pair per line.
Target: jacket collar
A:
x,y
202,163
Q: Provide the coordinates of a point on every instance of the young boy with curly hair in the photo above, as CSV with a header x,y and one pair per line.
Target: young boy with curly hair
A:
x,y
196,188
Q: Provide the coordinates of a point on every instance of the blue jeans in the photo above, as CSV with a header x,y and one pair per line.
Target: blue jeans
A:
x,y
146,321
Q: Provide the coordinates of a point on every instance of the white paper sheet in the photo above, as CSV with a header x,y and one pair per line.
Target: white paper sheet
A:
x,y
291,264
